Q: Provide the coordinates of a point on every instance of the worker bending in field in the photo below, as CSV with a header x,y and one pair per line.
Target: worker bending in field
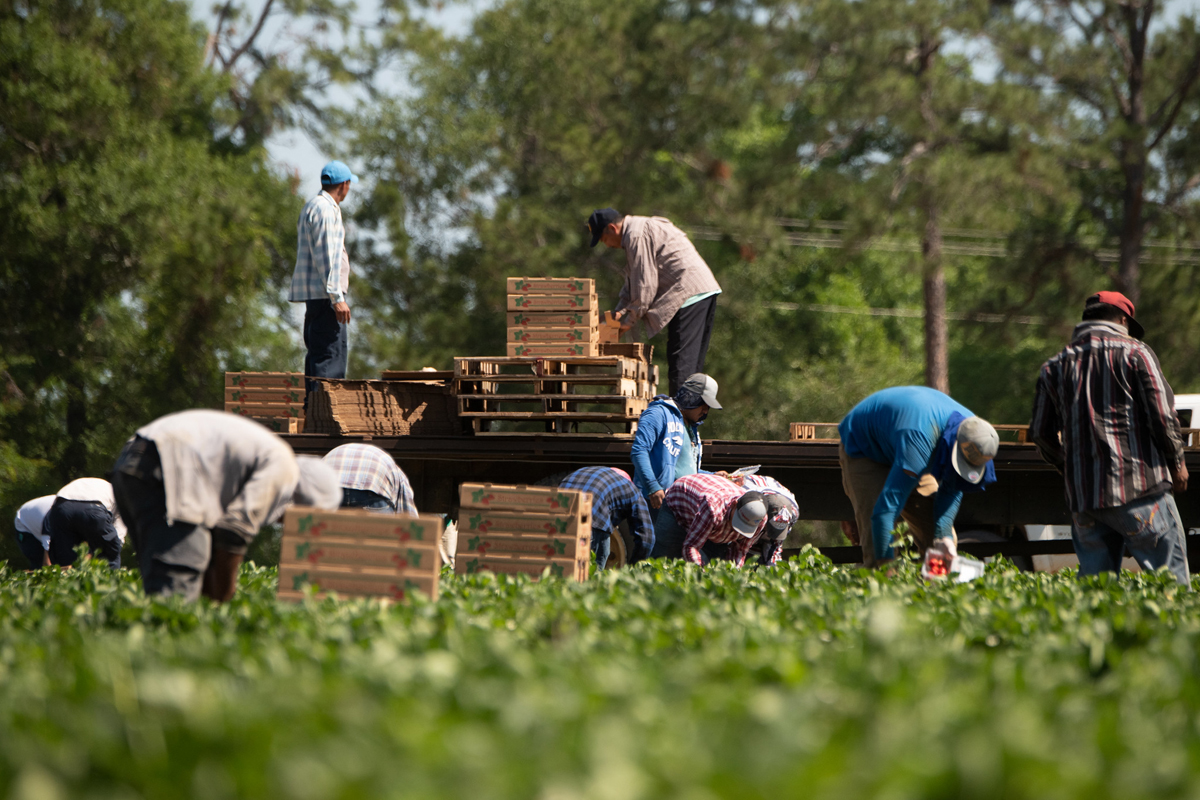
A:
x,y
321,279
27,525
1121,450
704,512
782,513
84,512
614,499
667,443
196,487
370,479
912,438
667,284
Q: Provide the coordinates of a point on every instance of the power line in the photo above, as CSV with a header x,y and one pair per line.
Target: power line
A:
x,y
909,313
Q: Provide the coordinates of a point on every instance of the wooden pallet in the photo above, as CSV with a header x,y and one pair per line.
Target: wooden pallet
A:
x,y
418,375
566,367
607,407
555,425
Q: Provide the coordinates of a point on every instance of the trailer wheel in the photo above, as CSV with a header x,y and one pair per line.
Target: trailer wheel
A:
x,y
618,555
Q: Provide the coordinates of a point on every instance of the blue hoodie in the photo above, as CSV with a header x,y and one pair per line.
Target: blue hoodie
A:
x,y
661,434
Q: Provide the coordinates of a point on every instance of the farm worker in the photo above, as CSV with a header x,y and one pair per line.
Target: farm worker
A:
x,y
34,543
614,498
370,479
1121,450
667,443
906,438
782,513
667,284
196,486
321,279
704,510
84,512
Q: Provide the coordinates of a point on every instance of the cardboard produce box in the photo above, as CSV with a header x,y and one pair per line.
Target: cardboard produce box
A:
x,y
481,520
552,302
551,286
295,578
553,319
554,335
265,380
550,350
315,523
265,410
281,424
497,496
487,544
573,568
294,397
361,553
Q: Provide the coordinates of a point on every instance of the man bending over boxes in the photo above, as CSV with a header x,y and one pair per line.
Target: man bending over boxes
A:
x,y
370,479
196,486
702,512
614,498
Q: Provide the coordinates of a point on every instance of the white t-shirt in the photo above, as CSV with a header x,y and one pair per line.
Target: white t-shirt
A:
x,y
29,518
95,490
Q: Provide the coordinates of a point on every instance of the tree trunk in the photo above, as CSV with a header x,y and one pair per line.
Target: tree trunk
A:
x,y
937,360
73,462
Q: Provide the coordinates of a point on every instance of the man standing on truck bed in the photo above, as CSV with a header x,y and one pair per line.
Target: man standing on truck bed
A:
x,y
321,279
667,284
1121,451
906,438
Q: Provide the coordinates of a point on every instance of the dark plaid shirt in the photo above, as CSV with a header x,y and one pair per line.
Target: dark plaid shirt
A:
x,y
1106,394
614,498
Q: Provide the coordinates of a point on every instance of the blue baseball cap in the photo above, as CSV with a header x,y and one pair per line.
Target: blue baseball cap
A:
x,y
336,172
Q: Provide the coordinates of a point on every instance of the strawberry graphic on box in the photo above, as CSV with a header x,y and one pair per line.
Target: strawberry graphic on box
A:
x,y
309,525
414,530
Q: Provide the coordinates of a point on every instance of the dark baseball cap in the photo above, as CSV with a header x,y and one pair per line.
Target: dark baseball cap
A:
x,y
600,219
1119,302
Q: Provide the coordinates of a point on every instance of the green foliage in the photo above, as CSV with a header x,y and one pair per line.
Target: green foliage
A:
x,y
661,680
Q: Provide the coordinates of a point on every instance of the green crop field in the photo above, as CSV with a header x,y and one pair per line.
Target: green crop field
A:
x,y
658,681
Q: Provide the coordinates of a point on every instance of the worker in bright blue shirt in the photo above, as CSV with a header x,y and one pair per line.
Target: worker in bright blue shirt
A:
x,y
906,438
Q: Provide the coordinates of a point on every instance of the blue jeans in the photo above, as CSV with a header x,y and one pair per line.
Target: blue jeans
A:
x,y
365,498
31,548
601,546
326,341
1149,528
668,535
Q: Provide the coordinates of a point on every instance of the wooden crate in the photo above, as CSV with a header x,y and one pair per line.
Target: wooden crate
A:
x,y
553,319
639,351
565,369
384,408
522,335
579,407
805,431
358,553
551,286
553,350
552,302
265,380
510,564
518,498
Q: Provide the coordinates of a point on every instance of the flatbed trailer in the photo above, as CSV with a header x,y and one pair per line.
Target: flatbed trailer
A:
x,y
1028,490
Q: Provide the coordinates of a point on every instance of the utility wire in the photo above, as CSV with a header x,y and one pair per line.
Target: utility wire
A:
x,y
909,312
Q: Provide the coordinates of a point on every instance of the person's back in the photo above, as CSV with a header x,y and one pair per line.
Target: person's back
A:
x,y
897,420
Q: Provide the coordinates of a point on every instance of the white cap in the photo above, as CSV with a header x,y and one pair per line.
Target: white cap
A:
x,y
703,385
319,485
976,444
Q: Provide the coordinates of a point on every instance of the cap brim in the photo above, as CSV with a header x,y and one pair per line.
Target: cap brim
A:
x,y
710,400
968,471
353,178
1135,328
595,239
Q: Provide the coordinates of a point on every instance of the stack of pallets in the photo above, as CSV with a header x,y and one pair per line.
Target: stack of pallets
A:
x,y
276,399
382,408
553,317
557,395
524,530
358,554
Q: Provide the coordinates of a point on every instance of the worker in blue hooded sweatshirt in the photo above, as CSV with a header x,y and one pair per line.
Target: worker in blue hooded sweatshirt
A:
x,y
667,443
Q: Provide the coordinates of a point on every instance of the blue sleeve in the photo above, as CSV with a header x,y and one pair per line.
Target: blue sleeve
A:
x,y
945,509
891,500
643,442
641,527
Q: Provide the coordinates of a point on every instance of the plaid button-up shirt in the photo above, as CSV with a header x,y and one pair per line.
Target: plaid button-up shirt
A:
x,y
701,504
322,266
614,498
363,466
785,516
1106,394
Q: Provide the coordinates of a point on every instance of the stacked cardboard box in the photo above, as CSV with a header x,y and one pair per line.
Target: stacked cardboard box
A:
x,y
553,317
276,399
382,408
524,530
359,554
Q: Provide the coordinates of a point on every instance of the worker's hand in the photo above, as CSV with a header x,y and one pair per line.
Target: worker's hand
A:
x,y
1179,478
342,311
618,314
657,498
946,547
738,479
850,528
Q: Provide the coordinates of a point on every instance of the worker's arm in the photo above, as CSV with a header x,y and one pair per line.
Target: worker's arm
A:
x,y
642,280
896,489
742,547
1158,400
263,496
945,509
327,239
698,529
1047,423
649,430
640,526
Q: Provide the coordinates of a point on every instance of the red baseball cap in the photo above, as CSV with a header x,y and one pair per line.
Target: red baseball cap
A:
x,y
1118,301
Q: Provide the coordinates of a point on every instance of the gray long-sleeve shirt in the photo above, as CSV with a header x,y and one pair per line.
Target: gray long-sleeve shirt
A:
x,y
662,270
223,471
